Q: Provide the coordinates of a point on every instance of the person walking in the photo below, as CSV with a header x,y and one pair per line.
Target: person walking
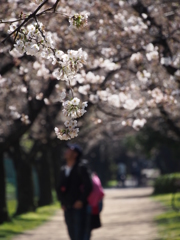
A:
x,y
121,176
75,185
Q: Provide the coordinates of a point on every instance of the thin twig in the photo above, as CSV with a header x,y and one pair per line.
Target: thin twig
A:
x,y
40,28
32,15
70,88
9,22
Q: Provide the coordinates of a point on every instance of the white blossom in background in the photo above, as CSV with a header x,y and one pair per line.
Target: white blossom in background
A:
x,y
166,61
123,97
103,94
46,101
108,52
13,113
24,89
84,89
138,123
136,58
113,100
127,122
176,61
43,71
90,77
108,64
157,94
177,74
25,119
130,24
121,3
130,104
145,112
62,96
37,1
151,103
143,76
80,77
39,96
151,52
16,54
93,98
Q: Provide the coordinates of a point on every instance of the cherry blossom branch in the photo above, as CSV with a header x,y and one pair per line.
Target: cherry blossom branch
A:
x,y
42,34
31,16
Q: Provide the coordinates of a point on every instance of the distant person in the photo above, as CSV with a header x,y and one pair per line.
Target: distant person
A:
x,y
136,173
74,188
121,176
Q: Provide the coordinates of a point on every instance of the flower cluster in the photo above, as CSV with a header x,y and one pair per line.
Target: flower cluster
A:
x,y
79,20
139,123
69,132
33,40
25,119
151,52
130,24
73,109
69,63
136,58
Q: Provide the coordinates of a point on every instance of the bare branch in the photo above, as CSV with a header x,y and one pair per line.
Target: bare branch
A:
x,y
32,16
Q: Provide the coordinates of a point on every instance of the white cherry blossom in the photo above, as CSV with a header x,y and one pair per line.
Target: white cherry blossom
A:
x,y
138,123
130,104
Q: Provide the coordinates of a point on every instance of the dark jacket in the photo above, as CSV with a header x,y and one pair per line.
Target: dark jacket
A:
x,y
76,186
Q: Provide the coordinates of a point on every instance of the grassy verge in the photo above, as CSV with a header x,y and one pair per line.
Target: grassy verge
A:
x,y
168,222
111,183
25,221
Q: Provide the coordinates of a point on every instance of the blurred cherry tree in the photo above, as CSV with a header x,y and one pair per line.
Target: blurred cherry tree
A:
x,y
117,60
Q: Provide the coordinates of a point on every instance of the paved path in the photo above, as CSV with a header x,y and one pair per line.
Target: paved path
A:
x,y
127,215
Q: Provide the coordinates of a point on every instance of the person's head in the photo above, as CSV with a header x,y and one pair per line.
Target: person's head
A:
x,y
73,153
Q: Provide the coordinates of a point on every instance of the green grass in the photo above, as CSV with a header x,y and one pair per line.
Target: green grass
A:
x,y
169,221
25,221
10,191
112,183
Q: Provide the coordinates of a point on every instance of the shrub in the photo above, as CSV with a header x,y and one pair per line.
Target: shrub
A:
x,y
167,183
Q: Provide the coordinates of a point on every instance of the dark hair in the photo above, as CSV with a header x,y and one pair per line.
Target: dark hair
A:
x,y
75,147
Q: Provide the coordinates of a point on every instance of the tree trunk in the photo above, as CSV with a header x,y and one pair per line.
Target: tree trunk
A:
x,y
44,176
57,160
3,207
25,194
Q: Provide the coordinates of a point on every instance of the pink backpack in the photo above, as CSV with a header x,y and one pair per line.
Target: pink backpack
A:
x,y
97,192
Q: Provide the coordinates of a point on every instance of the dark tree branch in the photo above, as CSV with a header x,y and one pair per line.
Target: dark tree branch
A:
x,y
35,108
32,16
160,39
100,108
169,121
